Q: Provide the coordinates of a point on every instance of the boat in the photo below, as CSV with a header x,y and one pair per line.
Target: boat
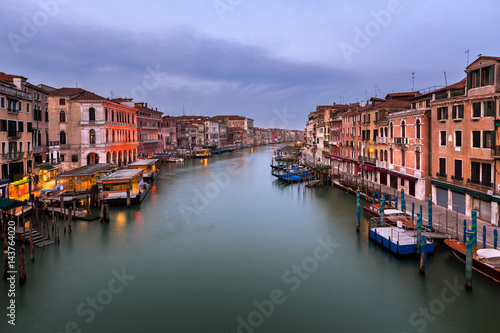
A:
x,y
392,216
174,160
203,153
117,184
485,261
149,168
292,178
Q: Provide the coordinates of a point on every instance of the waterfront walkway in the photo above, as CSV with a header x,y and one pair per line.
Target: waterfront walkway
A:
x,y
443,220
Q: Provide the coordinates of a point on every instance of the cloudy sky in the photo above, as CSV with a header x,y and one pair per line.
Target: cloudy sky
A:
x,y
272,61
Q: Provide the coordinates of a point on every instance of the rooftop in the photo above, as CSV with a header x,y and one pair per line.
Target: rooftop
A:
x,y
89,170
122,174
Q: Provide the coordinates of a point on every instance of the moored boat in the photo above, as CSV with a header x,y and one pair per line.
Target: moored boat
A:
x,y
485,261
203,153
392,216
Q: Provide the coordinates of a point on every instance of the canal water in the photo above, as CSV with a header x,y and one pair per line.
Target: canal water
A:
x,y
220,245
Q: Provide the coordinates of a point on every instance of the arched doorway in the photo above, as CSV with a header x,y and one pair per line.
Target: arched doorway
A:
x,y
92,158
115,161
119,158
130,155
108,157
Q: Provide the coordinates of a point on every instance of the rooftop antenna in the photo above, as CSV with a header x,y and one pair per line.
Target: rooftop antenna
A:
x,y
76,84
366,95
111,94
375,90
467,52
412,81
445,80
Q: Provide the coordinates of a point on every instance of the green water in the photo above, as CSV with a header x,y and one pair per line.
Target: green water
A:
x,y
220,245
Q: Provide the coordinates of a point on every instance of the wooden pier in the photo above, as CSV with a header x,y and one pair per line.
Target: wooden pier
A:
x,y
24,234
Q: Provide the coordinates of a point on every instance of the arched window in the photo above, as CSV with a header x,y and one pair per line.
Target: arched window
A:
x,y
62,138
403,157
62,117
113,116
385,130
92,137
381,155
403,129
113,136
107,137
92,114
392,131
106,114
385,156
418,128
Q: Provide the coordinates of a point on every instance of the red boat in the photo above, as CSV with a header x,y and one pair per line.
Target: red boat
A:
x,y
485,261
391,215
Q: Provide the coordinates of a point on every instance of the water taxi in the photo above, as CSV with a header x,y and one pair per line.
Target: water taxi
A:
x,y
203,153
149,167
118,183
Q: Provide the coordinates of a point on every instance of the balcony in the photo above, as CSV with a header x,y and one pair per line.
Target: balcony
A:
x,y
457,178
53,144
14,135
29,153
495,151
15,92
13,156
441,175
401,141
479,182
381,164
381,139
12,110
365,159
37,149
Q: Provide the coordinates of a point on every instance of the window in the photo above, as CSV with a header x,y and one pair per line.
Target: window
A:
x,y
489,109
475,169
403,158
476,110
417,160
403,129
2,102
442,138
106,114
488,137
12,128
376,116
62,138
74,158
442,167
92,137
476,139
62,117
3,148
442,113
46,115
418,129
29,127
458,170
458,138
457,111
20,146
62,101
20,126
92,114
3,125
486,174
20,106
368,117
27,107
392,131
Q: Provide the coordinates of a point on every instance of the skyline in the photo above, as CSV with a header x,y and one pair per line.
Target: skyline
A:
x,y
272,62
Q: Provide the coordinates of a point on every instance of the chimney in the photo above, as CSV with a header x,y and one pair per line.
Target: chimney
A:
x,y
146,104
362,103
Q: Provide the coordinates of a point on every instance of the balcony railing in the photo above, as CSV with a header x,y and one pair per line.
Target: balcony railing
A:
x,y
495,151
367,159
14,135
12,156
381,164
441,175
12,110
479,182
457,178
401,141
37,149
381,139
53,143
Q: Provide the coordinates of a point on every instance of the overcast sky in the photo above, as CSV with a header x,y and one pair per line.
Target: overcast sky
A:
x,y
272,61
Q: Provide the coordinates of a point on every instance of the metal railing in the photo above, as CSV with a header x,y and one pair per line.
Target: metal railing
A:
x,y
479,182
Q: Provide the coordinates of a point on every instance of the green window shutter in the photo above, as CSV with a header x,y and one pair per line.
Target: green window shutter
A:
x,y
29,127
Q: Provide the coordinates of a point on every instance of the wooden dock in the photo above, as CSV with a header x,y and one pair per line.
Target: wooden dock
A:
x,y
398,241
78,214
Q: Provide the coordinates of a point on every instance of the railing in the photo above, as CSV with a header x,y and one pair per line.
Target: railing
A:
x,y
401,141
29,153
367,159
402,169
495,151
12,156
14,135
381,164
15,92
12,110
381,139
479,182
441,175
53,143
37,149
457,178
418,173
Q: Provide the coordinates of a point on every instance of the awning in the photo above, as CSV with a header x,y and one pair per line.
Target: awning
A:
x,y
6,203
19,182
401,175
478,194
336,158
452,187
382,170
47,167
367,167
324,167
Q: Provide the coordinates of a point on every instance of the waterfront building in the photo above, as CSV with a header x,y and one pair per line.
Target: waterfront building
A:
x,y
464,153
211,133
88,128
236,136
149,130
233,121
169,133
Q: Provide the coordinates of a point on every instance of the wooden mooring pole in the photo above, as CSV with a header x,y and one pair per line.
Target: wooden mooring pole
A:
x,y
22,264
423,255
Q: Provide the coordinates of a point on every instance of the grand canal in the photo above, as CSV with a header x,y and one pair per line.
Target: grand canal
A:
x,y
220,245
